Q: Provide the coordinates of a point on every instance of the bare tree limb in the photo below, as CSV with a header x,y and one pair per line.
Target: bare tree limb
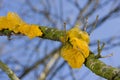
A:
x,y
8,71
49,65
54,34
101,69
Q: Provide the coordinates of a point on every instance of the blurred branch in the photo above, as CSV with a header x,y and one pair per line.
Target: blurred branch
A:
x,y
109,42
81,12
48,67
75,3
72,74
45,12
8,71
106,17
57,70
37,63
97,6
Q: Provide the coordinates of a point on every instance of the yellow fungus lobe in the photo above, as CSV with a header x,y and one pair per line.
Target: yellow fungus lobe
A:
x,y
78,33
76,48
81,46
73,56
14,23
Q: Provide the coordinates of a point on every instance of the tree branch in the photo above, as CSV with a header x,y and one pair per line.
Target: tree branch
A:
x,y
95,65
8,71
101,69
37,63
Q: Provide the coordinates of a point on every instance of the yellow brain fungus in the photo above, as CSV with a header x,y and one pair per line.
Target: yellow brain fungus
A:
x,y
76,32
14,23
74,58
76,48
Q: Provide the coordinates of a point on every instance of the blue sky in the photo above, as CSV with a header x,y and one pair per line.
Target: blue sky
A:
x,y
106,30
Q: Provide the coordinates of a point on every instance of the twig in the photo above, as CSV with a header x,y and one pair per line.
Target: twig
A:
x,y
100,48
8,71
65,32
86,24
48,67
57,70
94,25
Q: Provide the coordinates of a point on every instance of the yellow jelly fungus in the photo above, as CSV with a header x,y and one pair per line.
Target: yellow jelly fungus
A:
x,y
76,32
14,23
73,56
80,45
33,31
3,24
76,48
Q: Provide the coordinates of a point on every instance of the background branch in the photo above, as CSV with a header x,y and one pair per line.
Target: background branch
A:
x,y
8,71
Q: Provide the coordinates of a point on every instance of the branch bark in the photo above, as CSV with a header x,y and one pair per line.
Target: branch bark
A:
x,y
100,68
95,65
8,71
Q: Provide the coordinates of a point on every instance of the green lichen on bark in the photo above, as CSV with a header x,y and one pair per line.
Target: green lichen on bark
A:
x,y
101,69
5,32
51,33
